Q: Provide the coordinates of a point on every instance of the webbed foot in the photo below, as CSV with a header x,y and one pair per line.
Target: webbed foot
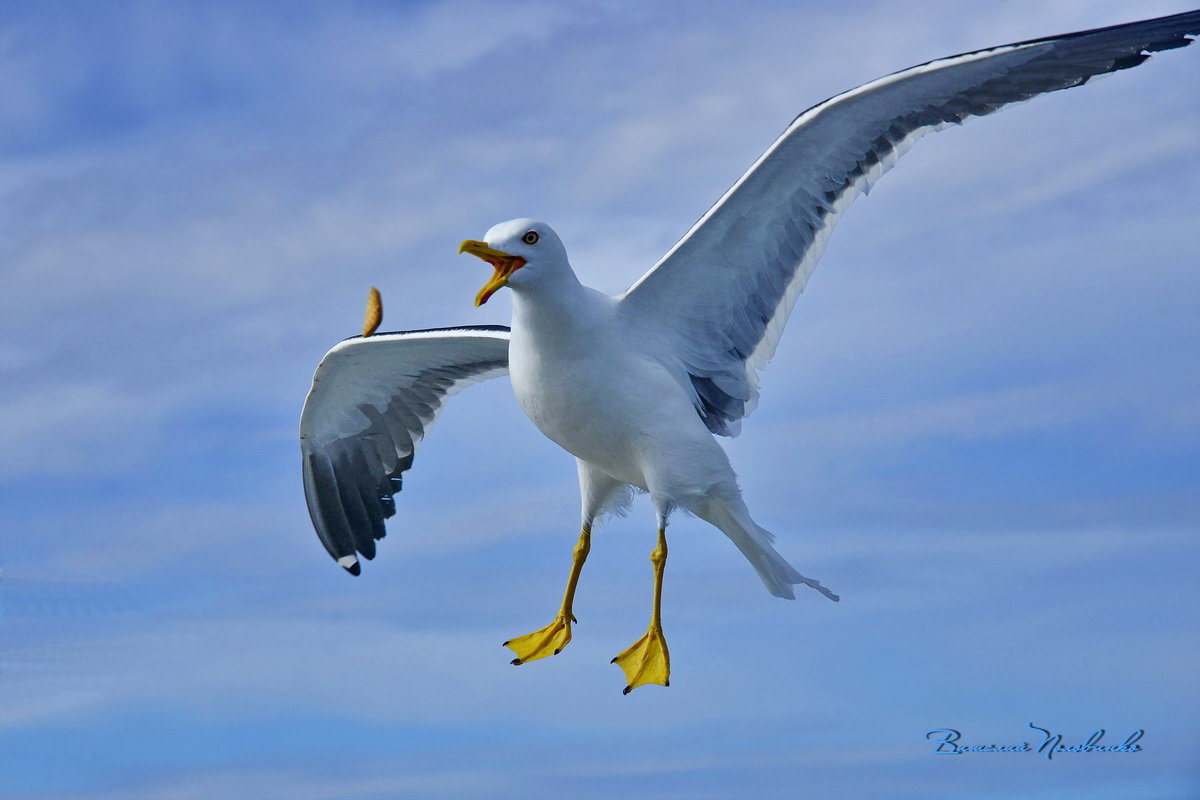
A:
x,y
547,641
646,661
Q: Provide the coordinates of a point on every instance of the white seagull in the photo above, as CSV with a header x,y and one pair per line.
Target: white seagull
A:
x,y
636,386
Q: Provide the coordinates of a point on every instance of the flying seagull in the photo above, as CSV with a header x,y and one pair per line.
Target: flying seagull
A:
x,y
636,386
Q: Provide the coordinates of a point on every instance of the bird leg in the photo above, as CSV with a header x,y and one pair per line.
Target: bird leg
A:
x,y
647,660
550,640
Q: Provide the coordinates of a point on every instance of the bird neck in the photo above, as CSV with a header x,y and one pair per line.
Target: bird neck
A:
x,y
557,301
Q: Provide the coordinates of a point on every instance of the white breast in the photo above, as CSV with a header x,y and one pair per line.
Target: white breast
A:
x,y
590,390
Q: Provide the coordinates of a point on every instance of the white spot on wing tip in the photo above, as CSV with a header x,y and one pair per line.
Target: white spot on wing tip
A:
x,y
347,561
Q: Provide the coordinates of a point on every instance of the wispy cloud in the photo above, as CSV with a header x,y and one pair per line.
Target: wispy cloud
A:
x,y
978,427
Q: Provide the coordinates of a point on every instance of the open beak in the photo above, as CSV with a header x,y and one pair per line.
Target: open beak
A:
x,y
503,263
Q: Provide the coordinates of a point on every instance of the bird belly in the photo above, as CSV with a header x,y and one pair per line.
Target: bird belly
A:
x,y
582,413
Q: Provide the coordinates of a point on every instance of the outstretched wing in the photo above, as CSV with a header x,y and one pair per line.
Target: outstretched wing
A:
x,y
372,400
715,305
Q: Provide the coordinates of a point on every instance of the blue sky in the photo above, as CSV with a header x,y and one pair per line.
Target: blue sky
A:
x,y
981,427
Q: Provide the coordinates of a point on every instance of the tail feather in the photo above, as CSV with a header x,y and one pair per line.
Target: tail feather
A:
x,y
755,543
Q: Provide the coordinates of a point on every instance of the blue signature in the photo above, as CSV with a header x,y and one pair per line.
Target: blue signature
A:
x,y
947,740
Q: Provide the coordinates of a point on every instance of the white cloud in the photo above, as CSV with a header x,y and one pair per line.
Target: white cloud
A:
x,y
58,430
170,285
234,241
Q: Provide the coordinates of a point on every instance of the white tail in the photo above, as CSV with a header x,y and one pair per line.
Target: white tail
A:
x,y
733,518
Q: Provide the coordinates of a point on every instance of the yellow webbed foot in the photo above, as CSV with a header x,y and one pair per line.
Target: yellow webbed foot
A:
x,y
646,661
548,641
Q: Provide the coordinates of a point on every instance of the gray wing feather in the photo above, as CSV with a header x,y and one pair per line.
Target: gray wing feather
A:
x,y
715,305
372,401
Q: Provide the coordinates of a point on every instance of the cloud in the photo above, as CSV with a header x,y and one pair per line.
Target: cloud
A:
x,y
232,241
978,430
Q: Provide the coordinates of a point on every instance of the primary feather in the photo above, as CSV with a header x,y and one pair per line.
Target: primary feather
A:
x,y
717,302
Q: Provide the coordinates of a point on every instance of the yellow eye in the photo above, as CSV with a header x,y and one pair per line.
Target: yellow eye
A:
x,y
530,237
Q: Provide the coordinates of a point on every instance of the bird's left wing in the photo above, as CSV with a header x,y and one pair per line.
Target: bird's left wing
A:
x,y
715,305
372,401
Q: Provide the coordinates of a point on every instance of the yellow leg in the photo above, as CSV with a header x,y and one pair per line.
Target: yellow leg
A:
x,y
647,660
550,640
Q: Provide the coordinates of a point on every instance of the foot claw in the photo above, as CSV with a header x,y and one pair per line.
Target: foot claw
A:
x,y
516,662
548,641
646,661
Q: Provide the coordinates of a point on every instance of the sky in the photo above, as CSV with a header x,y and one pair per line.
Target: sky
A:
x,y
982,426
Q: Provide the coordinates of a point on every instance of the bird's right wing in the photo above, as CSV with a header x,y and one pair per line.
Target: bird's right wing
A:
x,y
713,307
372,400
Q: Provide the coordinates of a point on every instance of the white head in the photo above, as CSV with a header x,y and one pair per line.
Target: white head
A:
x,y
524,252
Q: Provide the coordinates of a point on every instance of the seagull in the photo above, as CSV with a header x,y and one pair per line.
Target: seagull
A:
x,y
637,386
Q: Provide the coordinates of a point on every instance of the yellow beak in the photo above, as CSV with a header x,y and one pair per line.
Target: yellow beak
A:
x,y
504,264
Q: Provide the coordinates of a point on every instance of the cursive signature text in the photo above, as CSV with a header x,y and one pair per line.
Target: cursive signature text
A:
x,y
948,742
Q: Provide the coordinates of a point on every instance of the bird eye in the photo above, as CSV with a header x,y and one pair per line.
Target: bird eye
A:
x,y
530,237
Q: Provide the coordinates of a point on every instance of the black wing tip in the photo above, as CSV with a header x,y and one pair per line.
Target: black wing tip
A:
x,y
481,328
351,564
1186,23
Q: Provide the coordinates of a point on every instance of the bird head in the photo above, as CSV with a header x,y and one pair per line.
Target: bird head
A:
x,y
522,252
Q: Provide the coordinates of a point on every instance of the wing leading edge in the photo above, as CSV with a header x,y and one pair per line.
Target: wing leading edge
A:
x,y
716,303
